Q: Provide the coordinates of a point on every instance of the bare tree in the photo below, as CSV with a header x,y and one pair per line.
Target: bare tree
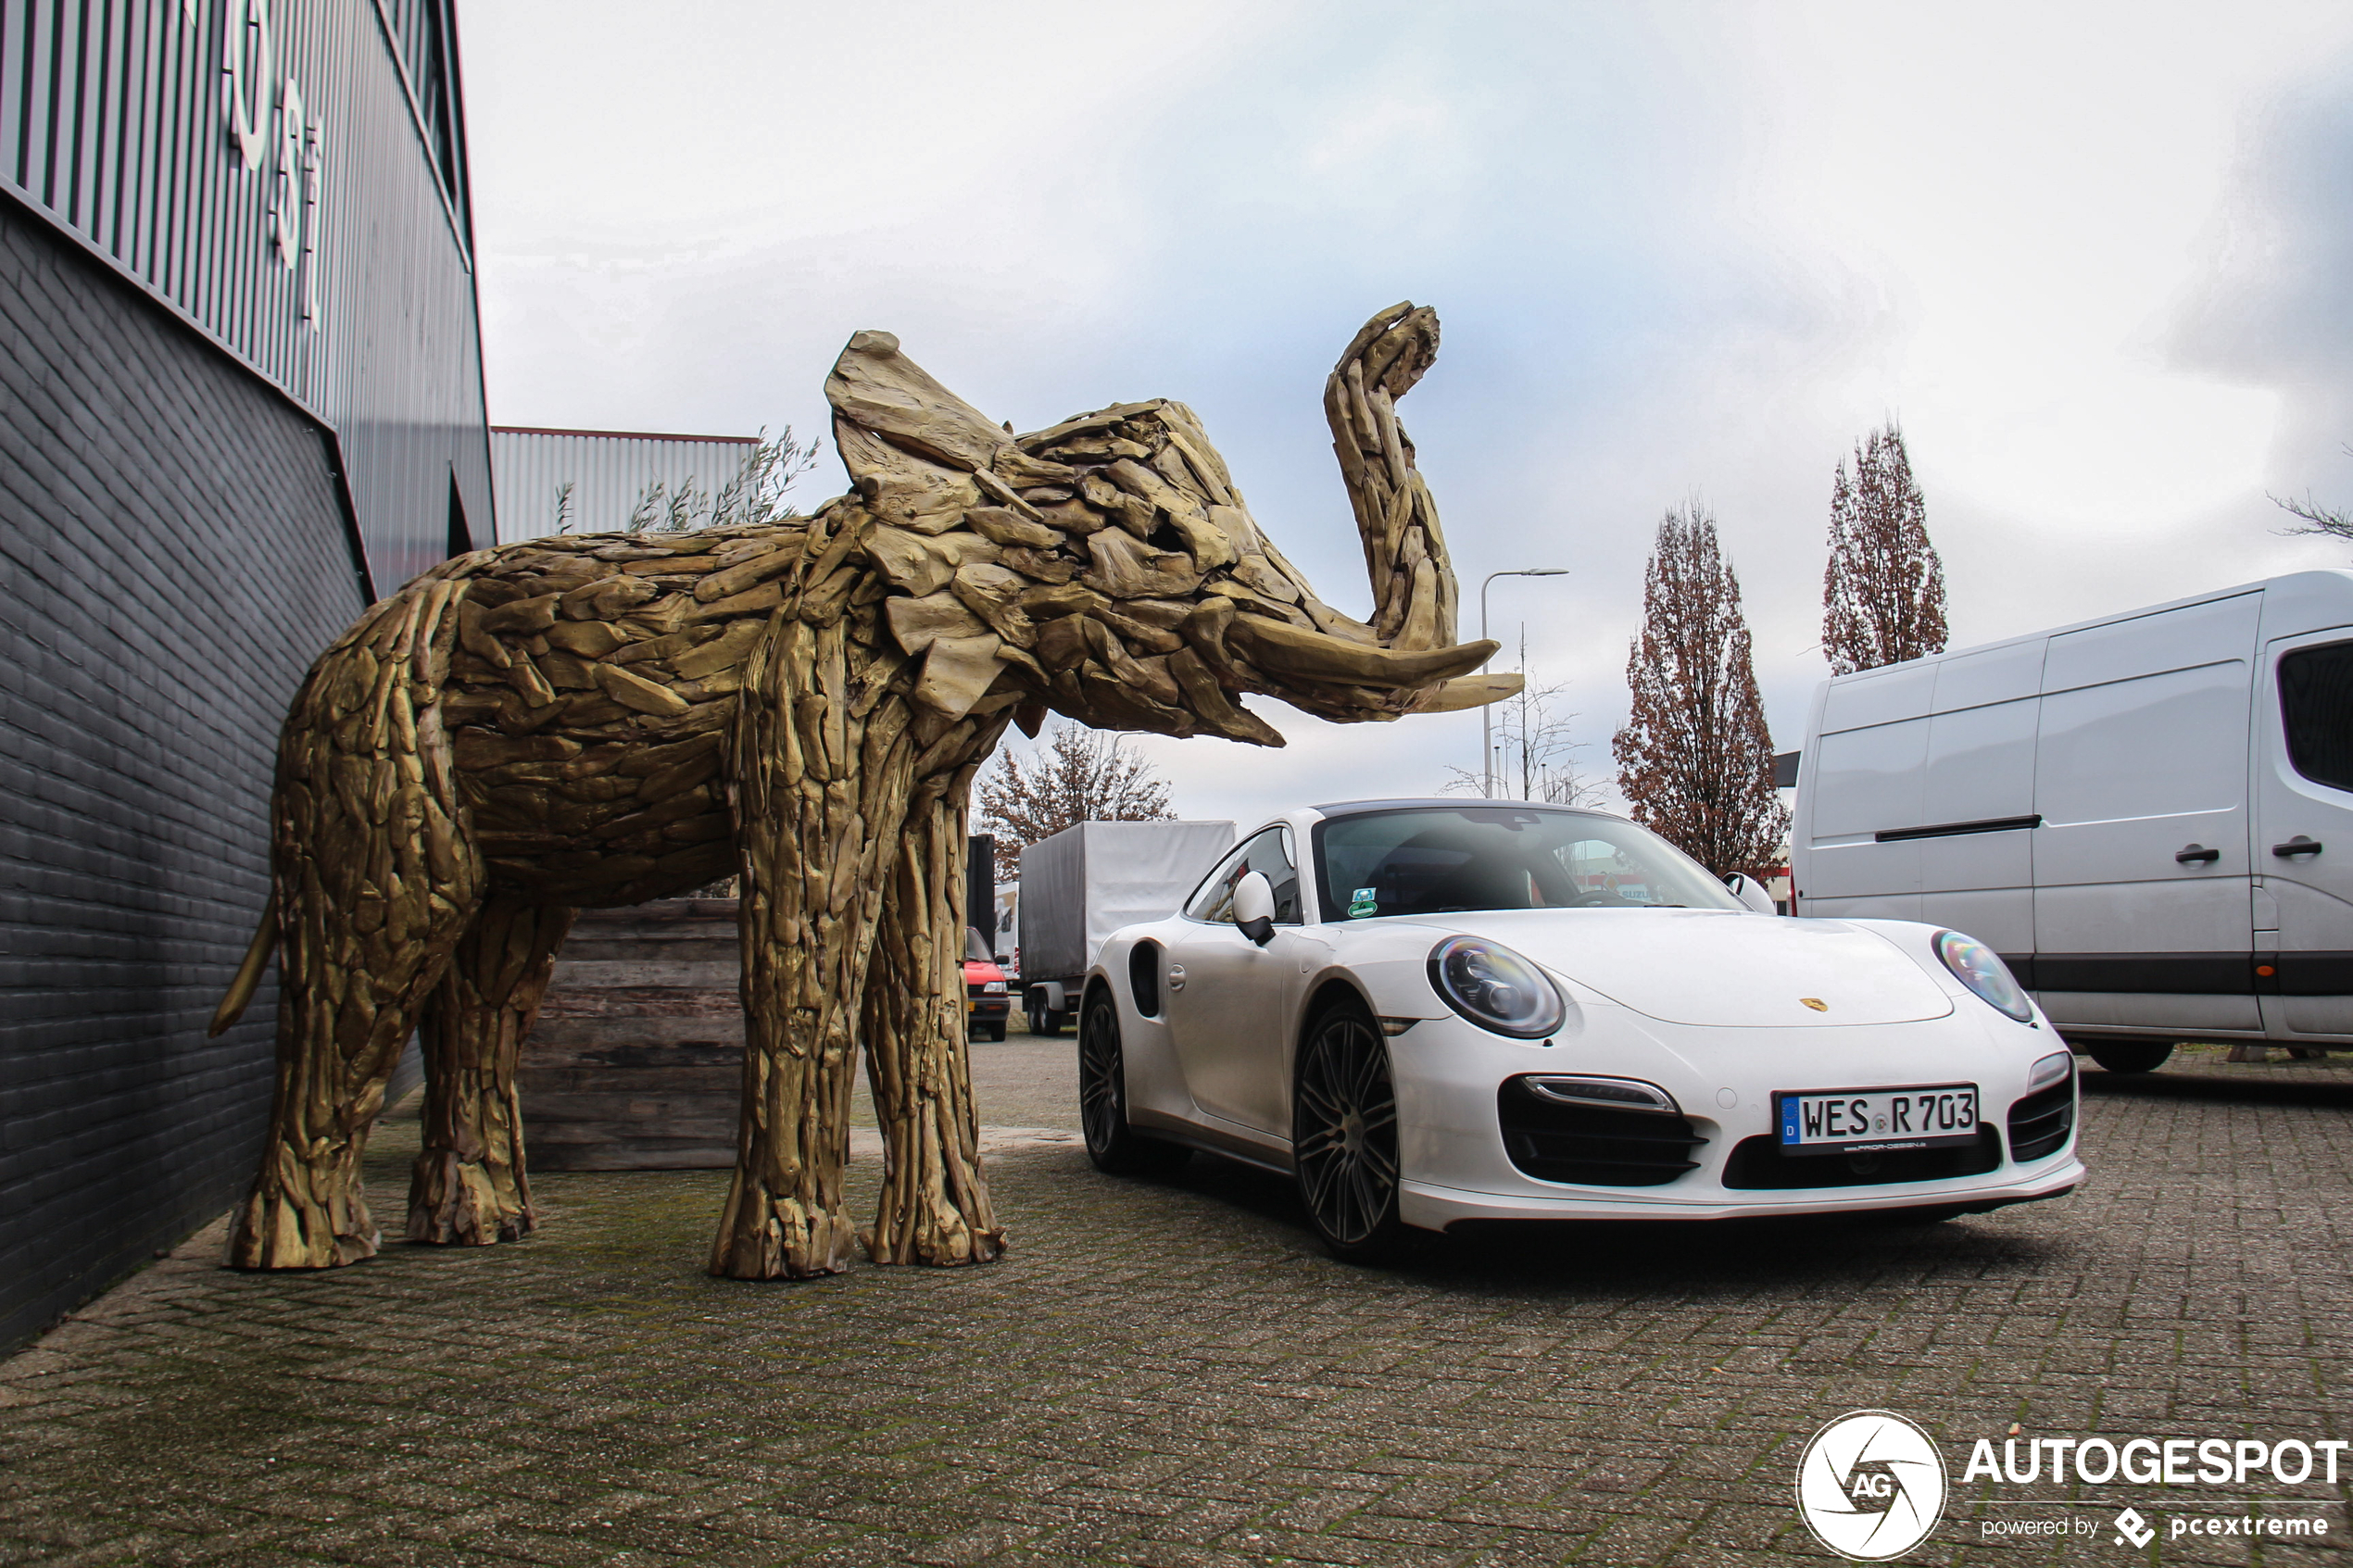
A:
x,y
1534,749
1883,593
2336,521
1078,775
1694,760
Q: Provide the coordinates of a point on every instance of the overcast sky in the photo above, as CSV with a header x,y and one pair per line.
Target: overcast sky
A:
x,y
2098,258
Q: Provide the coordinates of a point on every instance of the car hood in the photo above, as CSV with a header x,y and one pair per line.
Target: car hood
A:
x,y
1719,969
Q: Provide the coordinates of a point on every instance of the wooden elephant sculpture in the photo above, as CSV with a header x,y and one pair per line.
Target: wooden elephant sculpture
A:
x,y
571,722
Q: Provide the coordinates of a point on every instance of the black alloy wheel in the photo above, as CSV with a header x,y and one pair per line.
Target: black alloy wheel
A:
x,y
1112,1143
1344,1137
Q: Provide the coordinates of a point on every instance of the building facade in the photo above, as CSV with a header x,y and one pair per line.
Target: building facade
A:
x,y
240,397
595,481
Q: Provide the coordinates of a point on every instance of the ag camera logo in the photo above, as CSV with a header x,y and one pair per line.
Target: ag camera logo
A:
x,y
1871,1486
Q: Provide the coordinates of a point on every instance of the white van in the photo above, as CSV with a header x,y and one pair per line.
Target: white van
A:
x,y
2150,816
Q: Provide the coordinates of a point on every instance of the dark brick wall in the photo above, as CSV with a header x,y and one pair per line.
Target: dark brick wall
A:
x,y
172,556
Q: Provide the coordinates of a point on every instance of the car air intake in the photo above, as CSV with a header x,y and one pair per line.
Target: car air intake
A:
x,y
1143,977
2040,1122
1555,1137
1761,1164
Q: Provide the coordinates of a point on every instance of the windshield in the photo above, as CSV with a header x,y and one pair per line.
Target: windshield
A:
x,y
1440,859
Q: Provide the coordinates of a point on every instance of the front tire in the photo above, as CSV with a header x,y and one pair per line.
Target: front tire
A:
x,y
1115,1147
1344,1137
2133,1057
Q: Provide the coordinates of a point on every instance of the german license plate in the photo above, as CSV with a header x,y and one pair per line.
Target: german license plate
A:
x,y
1876,1120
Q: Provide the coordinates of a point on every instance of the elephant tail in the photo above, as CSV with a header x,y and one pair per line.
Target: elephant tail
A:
x,y
248,980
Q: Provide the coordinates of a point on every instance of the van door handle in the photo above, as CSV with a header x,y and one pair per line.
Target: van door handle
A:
x,y
1176,977
2193,854
2299,845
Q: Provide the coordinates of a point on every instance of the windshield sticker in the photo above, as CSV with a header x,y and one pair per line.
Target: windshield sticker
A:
x,y
1361,903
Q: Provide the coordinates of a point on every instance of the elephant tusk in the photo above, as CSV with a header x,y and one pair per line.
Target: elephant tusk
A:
x,y
1283,649
1470,691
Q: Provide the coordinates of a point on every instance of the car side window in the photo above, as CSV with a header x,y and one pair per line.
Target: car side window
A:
x,y
2315,710
1268,852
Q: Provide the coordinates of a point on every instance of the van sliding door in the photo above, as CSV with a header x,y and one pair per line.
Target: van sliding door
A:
x,y
2141,865
1921,794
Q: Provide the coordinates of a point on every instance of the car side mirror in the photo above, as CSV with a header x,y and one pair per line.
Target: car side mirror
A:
x,y
1254,908
1749,891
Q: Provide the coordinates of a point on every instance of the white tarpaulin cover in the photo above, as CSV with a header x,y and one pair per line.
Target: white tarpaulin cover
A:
x,y
1086,882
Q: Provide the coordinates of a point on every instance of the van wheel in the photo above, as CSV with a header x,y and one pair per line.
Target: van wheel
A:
x,y
2133,1058
1344,1138
1112,1143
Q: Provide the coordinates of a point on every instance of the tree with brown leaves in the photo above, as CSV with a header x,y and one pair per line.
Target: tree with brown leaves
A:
x,y
1883,593
1077,776
1694,760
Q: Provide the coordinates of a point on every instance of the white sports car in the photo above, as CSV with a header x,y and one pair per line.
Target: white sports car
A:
x,y
1435,1012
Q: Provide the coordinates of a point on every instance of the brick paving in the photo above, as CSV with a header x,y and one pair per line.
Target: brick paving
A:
x,y
1171,1373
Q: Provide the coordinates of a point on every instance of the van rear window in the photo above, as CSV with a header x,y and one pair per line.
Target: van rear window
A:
x,y
2315,710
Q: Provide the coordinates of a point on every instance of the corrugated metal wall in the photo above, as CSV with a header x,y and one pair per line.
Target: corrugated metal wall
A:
x,y
609,470
290,179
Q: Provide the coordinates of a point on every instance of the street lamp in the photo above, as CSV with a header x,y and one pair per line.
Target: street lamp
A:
x,y
1487,710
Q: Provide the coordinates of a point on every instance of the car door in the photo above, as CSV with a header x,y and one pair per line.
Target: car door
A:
x,y
1228,999
2304,835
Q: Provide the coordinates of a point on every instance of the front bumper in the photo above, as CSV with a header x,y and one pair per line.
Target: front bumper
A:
x,y
1437,1208
1457,1166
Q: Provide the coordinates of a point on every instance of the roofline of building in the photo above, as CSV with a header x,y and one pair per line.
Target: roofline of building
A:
x,y
624,434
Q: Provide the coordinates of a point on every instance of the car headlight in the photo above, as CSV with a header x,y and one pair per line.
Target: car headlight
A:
x,y
994,988
1494,987
1981,968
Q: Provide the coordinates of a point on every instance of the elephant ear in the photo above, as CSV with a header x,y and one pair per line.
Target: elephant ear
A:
x,y
884,400
920,457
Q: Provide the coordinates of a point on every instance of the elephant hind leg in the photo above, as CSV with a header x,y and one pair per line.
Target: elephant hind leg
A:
x,y
375,883
469,1186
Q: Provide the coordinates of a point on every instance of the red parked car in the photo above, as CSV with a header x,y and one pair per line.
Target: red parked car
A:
x,y
987,1003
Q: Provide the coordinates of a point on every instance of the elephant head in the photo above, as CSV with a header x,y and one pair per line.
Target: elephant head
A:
x,y
1106,569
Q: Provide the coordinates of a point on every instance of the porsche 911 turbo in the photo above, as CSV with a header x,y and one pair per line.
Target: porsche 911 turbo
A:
x,y
1433,1013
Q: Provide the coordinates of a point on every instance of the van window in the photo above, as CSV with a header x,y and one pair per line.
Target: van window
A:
x,y
2315,710
1268,852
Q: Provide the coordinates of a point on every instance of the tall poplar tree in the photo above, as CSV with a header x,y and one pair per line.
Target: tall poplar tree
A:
x,y
1883,594
1694,760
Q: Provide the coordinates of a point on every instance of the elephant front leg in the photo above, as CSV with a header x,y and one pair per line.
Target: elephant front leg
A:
x,y
935,1205
469,1186
784,1217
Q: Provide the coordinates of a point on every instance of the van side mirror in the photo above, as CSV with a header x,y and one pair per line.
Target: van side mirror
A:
x,y
1254,908
1749,891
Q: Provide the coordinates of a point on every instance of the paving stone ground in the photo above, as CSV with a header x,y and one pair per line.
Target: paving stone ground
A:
x,y
1171,1373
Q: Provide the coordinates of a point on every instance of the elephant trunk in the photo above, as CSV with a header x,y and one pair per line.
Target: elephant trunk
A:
x,y
1405,550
